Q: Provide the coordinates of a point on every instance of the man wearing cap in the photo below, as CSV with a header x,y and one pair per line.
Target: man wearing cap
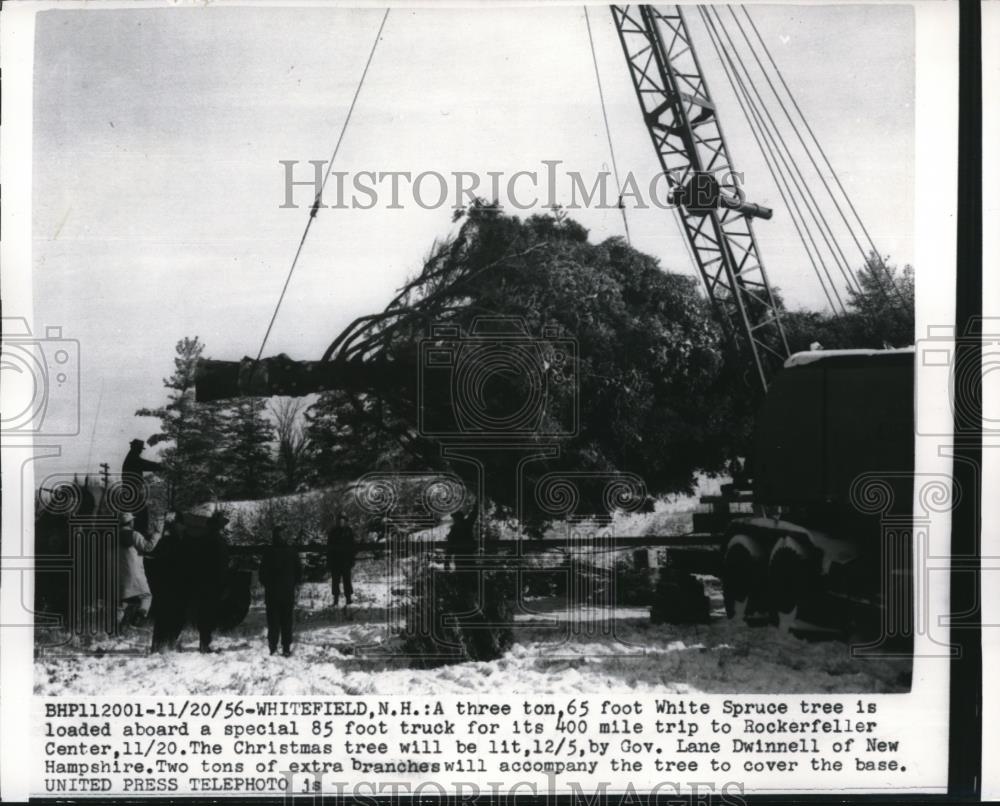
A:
x,y
132,469
134,597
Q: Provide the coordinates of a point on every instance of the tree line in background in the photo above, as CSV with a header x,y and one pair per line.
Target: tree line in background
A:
x,y
660,391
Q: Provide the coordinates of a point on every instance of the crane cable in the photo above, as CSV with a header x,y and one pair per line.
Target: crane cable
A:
x,y
826,160
798,176
756,121
802,185
772,134
774,168
826,232
319,196
97,418
607,127
819,173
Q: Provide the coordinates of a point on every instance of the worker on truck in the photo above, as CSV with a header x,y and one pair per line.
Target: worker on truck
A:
x,y
132,477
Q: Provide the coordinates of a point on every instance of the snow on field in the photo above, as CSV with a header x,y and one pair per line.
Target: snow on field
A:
x,y
556,650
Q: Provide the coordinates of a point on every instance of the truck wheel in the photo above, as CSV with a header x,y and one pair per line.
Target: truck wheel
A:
x,y
789,581
743,577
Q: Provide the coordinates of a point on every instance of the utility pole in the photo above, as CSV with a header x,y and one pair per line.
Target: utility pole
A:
x,y
105,474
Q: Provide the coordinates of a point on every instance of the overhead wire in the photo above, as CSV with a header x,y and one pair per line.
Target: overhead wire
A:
x,y
319,196
607,127
97,418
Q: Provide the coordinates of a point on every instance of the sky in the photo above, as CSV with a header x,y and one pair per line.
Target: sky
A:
x,y
158,136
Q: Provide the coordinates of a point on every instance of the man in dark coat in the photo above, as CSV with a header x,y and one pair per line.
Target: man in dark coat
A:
x,y
280,572
461,539
132,469
209,557
168,572
340,555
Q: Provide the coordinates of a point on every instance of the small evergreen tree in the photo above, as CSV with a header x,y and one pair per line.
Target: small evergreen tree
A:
x,y
884,303
248,435
192,460
458,616
879,313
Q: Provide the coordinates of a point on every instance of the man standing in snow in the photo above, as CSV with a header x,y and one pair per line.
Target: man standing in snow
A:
x,y
209,556
132,469
169,572
134,598
340,556
280,572
461,539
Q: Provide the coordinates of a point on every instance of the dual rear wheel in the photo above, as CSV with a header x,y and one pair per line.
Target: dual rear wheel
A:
x,y
767,580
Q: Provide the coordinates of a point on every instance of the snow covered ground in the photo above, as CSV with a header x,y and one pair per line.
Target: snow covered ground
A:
x,y
556,650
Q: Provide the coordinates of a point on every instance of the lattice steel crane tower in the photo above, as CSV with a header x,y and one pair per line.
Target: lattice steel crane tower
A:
x,y
681,117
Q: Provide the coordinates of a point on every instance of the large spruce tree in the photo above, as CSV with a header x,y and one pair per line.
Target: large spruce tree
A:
x,y
655,392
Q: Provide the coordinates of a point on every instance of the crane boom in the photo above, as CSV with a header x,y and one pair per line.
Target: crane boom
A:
x,y
681,118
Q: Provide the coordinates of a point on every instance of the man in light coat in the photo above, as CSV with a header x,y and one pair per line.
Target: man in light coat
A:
x,y
134,597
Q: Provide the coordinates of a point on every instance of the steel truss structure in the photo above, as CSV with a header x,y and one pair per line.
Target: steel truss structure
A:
x,y
681,118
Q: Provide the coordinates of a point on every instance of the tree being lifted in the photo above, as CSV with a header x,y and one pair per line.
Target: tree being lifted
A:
x,y
653,388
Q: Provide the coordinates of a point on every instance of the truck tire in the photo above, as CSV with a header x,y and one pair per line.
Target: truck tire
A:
x,y
744,577
790,579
